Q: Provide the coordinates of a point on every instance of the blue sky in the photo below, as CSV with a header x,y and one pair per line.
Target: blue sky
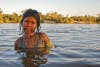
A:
x,y
64,7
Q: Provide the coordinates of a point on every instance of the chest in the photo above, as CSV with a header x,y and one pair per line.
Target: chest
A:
x,y
32,42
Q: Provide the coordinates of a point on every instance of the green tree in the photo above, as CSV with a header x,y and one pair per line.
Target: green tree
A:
x,y
14,18
1,16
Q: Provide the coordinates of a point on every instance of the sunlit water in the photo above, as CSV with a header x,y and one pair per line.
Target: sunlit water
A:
x,y
75,45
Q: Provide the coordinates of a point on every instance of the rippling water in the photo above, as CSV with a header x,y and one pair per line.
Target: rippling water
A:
x,y
76,45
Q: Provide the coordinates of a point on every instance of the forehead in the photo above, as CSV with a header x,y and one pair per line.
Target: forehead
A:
x,y
31,18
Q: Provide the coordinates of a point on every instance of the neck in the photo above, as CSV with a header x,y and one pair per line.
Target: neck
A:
x,y
28,35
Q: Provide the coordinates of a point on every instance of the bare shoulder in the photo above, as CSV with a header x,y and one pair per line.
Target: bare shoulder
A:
x,y
18,40
17,43
44,35
47,40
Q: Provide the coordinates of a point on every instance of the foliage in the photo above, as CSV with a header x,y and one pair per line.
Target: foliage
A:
x,y
52,17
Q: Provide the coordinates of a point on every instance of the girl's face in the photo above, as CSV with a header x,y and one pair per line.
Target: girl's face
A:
x,y
29,24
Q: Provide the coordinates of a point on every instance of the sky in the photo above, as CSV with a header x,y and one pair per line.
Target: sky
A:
x,y
64,7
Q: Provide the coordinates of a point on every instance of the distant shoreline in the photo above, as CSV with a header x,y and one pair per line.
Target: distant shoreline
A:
x,y
52,23
53,18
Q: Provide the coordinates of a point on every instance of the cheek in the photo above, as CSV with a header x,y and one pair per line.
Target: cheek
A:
x,y
24,25
35,26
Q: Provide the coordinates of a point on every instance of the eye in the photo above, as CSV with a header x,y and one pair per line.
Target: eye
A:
x,y
33,23
26,21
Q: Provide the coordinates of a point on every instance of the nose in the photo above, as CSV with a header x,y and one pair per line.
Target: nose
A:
x,y
29,24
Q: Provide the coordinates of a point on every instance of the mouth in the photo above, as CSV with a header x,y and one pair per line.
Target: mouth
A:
x,y
27,29
27,26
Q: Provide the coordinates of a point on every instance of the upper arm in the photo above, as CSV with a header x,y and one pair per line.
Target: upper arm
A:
x,y
17,44
47,40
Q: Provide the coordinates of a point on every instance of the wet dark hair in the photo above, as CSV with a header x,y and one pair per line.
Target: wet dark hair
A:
x,y
35,14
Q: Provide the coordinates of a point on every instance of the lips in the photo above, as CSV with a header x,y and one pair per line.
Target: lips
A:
x,y
28,29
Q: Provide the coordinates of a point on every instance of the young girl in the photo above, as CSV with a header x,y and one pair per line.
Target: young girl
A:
x,y
31,37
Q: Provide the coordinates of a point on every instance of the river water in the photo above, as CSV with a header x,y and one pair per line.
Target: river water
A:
x,y
76,45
